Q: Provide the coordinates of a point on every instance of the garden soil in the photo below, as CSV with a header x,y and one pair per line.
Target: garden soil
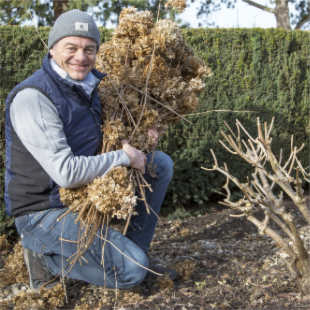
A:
x,y
224,264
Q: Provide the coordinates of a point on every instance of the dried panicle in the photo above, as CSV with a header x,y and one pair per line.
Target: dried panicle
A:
x,y
73,196
44,299
179,5
185,268
114,131
4,245
175,80
164,282
113,193
15,270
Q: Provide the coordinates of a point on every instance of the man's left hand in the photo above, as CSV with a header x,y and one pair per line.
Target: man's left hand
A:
x,y
152,133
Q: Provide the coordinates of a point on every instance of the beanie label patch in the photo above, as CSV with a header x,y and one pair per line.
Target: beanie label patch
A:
x,y
81,26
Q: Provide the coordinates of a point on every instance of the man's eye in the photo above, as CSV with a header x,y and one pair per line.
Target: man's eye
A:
x,y
71,48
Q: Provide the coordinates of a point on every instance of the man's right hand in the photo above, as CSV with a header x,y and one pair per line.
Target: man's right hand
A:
x,y
136,157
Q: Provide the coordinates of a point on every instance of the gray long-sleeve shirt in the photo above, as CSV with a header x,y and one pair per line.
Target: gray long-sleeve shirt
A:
x,y
36,121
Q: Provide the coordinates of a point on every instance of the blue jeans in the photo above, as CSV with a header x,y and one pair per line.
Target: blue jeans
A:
x,y
41,233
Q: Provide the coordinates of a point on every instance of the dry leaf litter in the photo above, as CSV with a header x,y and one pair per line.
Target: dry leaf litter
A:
x,y
15,270
235,268
164,282
44,299
4,245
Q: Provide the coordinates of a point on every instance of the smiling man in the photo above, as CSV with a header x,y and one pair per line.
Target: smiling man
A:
x,y
53,135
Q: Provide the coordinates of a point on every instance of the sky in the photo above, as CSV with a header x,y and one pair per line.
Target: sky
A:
x,y
242,16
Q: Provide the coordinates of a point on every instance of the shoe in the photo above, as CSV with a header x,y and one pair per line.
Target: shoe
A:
x,y
39,275
151,277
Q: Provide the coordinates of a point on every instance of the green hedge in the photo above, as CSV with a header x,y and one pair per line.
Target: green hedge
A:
x,y
263,70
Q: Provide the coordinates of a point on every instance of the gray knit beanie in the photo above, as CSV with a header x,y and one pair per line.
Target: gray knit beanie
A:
x,y
74,23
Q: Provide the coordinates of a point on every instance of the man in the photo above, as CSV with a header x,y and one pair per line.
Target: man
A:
x,y
53,133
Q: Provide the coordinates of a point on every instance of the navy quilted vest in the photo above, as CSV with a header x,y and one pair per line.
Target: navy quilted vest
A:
x,y
28,188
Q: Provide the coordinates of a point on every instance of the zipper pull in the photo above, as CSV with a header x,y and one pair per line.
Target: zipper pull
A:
x,y
92,110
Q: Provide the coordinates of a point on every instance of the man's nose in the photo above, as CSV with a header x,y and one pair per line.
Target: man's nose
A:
x,y
79,55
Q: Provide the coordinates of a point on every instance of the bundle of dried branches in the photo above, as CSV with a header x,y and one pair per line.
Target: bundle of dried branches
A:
x,y
153,78
259,193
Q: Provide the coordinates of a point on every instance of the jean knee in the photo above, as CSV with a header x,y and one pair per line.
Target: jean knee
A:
x,y
136,273
164,165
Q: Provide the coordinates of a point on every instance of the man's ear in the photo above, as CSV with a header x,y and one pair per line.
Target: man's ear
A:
x,y
52,52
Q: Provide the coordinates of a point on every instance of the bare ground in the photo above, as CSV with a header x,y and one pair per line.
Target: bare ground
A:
x,y
232,268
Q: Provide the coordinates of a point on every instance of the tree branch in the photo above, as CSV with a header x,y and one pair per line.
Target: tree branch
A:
x,y
259,6
302,22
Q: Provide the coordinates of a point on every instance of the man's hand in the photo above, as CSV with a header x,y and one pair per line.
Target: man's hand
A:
x,y
153,134
137,158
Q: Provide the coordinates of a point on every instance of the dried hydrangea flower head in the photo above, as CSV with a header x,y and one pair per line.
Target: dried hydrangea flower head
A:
x,y
140,49
179,5
113,193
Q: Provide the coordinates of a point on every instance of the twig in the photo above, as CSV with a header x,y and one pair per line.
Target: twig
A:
x,y
237,215
122,101
62,270
160,104
159,274
220,111
37,30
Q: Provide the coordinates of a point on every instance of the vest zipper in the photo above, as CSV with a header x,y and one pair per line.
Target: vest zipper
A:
x,y
93,114
90,109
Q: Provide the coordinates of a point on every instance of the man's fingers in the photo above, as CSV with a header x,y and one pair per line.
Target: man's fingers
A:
x,y
124,142
152,132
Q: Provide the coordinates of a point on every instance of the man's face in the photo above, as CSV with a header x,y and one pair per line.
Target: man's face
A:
x,y
75,55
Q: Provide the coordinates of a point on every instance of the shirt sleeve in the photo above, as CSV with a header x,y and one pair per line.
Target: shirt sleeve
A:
x,y
36,122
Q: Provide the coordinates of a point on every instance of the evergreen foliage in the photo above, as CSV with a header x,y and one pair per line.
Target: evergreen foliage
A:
x,y
263,70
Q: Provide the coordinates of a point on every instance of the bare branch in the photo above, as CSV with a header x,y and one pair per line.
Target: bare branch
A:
x,y
282,225
302,170
259,6
293,161
163,105
270,128
235,153
237,215
245,130
302,146
214,157
306,19
292,143
258,192
230,130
